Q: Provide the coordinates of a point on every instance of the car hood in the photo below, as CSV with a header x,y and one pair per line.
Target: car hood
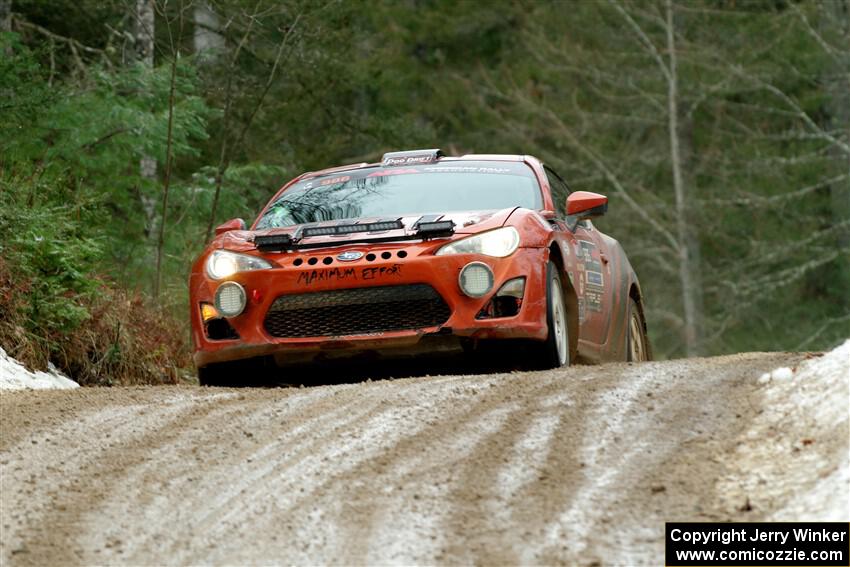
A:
x,y
466,222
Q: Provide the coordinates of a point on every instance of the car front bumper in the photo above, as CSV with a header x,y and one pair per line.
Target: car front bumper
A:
x,y
419,266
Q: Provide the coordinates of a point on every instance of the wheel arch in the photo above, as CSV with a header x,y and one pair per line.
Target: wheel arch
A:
x,y
570,298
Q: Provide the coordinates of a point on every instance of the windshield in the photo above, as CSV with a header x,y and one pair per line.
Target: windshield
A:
x,y
399,191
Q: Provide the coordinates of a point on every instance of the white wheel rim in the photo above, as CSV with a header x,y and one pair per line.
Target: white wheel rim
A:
x,y
559,321
635,339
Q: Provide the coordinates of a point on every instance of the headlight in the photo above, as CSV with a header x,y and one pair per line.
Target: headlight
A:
x,y
499,243
222,264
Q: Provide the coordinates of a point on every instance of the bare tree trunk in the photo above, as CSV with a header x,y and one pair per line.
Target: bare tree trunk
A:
x,y
6,21
143,28
206,40
166,183
688,251
5,15
143,35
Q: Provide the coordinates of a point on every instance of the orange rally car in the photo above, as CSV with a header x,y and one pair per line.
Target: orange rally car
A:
x,y
414,253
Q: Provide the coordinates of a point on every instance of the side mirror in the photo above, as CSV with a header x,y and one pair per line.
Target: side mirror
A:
x,y
586,205
233,224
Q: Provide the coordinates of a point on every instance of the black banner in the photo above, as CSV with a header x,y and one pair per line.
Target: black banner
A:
x,y
816,544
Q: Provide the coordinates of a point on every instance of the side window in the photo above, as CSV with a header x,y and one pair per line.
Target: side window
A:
x,y
560,191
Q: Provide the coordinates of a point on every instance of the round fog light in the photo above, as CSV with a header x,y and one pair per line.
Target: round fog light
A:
x,y
230,299
476,279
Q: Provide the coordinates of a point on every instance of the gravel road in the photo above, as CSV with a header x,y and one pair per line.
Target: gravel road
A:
x,y
578,466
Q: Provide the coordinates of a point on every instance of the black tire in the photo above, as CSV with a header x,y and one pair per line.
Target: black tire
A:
x,y
554,352
637,343
237,374
213,375
496,354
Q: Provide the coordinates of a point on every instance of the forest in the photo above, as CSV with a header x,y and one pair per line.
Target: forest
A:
x,y
129,129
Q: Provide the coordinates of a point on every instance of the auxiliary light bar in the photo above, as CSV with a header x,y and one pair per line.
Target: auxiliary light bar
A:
x,y
435,229
351,228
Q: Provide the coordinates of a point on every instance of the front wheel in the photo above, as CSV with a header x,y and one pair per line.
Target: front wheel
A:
x,y
554,352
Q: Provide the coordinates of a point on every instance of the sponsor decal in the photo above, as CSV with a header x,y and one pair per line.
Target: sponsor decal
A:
x,y
585,249
416,157
386,172
332,274
349,256
591,285
594,278
310,277
381,271
408,160
466,169
593,299
594,292
335,180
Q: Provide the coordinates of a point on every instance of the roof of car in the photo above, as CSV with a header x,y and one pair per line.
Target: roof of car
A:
x,y
467,157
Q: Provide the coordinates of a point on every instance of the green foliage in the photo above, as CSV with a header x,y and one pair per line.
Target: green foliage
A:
x,y
73,204
92,136
23,87
47,247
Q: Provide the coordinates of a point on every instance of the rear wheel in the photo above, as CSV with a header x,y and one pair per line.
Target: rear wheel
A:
x,y
554,352
638,344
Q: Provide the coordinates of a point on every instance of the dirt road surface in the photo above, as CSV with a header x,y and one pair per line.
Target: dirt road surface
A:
x,y
578,466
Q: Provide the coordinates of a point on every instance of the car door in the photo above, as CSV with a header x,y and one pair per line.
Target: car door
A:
x,y
586,256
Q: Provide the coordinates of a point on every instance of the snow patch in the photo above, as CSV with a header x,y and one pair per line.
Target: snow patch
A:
x,y
792,463
13,376
783,373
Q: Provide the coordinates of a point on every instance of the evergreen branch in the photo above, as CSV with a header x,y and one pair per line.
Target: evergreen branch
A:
x,y
74,46
831,51
104,138
758,200
796,109
827,324
783,278
609,175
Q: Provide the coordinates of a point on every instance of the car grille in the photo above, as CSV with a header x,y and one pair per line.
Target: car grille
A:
x,y
356,311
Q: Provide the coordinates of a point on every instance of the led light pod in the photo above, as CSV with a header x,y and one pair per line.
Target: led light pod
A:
x,y
476,279
230,299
